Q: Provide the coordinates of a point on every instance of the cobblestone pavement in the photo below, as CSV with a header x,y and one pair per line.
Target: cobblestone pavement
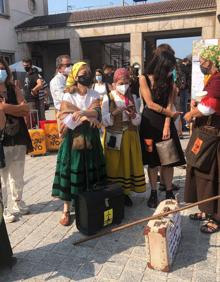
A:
x,y
45,251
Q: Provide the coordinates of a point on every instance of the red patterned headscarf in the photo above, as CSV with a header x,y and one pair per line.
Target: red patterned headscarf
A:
x,y
121,73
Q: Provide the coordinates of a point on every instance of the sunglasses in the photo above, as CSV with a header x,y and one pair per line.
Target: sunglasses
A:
x,y
67,65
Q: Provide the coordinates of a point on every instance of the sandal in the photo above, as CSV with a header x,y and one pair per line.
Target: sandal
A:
x,y
65,219
210,227
201,216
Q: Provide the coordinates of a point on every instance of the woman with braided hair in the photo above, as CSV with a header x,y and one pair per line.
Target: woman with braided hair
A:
x,y
121,118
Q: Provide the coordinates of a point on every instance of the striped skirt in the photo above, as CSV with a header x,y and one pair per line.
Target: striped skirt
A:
x,y
74,166
125,166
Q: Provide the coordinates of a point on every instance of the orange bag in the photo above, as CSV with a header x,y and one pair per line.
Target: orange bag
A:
x,y
52,136
38,141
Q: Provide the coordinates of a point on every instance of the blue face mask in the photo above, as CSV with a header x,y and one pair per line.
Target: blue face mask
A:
x,y
174,75
98,77
3,75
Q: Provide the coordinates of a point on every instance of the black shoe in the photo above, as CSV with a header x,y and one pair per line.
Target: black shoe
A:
x,y
162,187
170,195
127,200
153,200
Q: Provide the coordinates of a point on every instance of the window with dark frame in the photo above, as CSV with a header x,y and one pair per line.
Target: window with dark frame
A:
x,y
9,57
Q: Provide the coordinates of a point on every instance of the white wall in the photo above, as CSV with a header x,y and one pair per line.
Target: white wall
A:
x,y
18,13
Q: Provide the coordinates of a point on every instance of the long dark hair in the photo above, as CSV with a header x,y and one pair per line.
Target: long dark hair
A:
x,y
99,71
160,67
8,81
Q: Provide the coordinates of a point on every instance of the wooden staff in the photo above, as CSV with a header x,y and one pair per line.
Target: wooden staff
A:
x,y
139,221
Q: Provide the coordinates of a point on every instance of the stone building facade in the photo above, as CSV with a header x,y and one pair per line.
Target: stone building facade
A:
x,y
13,13
86,34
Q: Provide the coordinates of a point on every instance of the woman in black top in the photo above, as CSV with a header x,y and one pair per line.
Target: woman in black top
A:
x,y
157,123
16,142
6,257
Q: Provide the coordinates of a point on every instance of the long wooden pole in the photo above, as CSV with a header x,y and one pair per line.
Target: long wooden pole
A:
x,y
139,221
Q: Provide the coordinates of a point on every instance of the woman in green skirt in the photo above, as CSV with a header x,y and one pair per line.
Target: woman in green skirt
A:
x,y
81,148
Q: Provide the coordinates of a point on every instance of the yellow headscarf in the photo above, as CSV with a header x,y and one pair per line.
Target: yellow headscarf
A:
x,y
73,74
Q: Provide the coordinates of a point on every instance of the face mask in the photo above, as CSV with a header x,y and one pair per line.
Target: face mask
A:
x,y
204,70
85,80
67,70
98,77
122,89
27,69
3,75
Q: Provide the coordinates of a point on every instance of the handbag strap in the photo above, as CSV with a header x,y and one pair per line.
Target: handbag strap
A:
x,y
86,172
209,120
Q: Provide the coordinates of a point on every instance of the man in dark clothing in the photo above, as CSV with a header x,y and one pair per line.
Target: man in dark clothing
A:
x,y
32,84
108,75
184,86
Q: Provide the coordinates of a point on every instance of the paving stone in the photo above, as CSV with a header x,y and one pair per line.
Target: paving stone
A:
x,y
110,271
128,276
119,259
45,249
136,264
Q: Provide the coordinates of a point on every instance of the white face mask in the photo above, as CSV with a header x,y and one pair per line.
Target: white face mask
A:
x,y
122,89
67,70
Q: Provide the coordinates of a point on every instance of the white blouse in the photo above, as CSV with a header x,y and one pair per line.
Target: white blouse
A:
x,y
82,101
101,89
205,110
107,120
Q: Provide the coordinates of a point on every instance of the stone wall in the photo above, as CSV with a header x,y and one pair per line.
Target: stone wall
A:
x,y
135,27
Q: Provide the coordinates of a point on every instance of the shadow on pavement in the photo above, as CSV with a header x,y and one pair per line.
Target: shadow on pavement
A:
x,y
62,259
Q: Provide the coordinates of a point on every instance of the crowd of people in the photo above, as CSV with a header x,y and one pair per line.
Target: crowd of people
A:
x,y
121,118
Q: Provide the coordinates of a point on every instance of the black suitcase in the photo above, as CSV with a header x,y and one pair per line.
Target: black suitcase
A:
x,y
99,206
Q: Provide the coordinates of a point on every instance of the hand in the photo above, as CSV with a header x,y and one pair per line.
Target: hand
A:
x,y
34,92
23,106
193,103
130,111
188,117
118,111
84,118
175,115
166,133
94,122
78,115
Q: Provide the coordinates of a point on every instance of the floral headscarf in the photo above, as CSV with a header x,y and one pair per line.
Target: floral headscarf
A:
x,y
212,53
121,73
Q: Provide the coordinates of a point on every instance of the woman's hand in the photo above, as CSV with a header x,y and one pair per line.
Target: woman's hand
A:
x,y
78,115
188,117
94,122
118,111
166,132
130,111
193,103
175,115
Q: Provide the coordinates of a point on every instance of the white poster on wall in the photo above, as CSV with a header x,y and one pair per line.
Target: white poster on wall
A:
x,y
197,76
